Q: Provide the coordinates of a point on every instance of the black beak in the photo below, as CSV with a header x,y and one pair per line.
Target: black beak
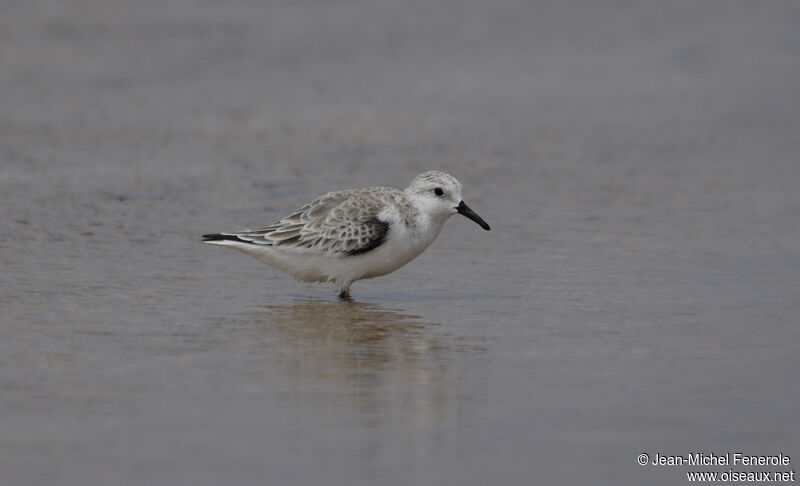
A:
x,y
466,211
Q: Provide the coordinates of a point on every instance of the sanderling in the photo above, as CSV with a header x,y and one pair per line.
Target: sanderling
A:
x,y
350,235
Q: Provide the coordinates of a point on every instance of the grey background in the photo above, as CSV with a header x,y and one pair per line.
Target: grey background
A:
x,y
638,163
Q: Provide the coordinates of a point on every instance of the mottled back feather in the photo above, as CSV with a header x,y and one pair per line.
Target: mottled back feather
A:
x,y
338,222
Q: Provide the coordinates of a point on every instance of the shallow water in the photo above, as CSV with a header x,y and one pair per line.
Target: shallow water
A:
x,y
637,292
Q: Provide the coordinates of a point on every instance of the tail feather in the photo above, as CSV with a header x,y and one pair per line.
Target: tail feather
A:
x,y
214,237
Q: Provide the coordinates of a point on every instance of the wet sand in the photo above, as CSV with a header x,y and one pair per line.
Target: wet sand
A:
x,y
638,163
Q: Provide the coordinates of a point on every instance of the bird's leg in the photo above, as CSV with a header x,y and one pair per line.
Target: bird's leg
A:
x,y
344,292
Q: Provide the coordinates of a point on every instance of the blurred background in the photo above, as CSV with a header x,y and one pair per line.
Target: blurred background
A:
x,y
638,163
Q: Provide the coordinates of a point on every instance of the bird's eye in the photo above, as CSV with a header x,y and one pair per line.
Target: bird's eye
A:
x,y
438,191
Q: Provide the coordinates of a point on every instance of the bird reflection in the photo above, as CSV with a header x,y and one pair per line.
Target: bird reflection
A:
x,y
338,339
383,366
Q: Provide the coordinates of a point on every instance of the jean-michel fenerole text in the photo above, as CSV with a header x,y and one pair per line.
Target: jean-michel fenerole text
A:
x,y
726,459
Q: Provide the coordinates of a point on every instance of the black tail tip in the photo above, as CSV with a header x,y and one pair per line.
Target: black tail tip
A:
x,y
221,237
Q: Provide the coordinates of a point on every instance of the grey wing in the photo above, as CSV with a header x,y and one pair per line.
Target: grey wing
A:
x,y
342,222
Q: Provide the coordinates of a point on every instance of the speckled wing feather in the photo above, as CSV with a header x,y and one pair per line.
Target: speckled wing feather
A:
x,y
341,222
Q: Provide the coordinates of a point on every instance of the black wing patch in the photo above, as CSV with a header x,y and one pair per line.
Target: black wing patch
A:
x,y
376,236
